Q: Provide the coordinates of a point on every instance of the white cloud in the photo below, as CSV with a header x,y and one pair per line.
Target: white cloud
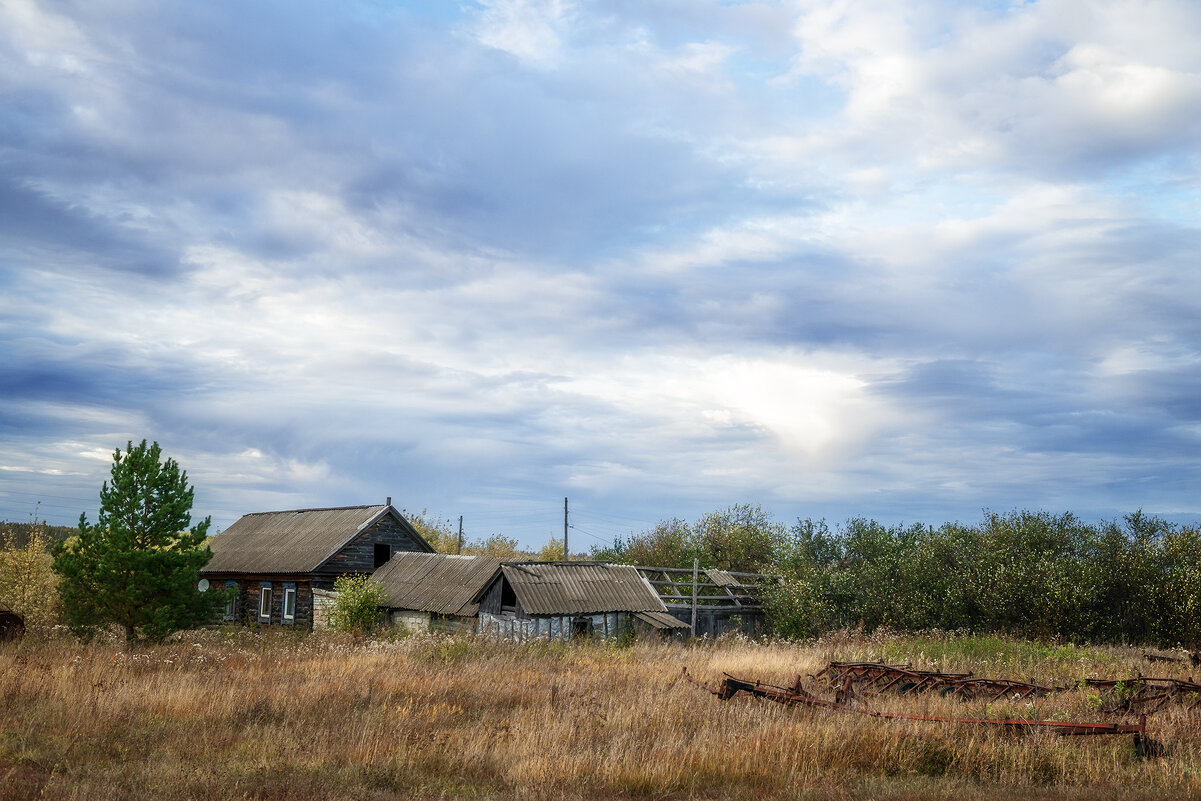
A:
x,y
531,30
880,254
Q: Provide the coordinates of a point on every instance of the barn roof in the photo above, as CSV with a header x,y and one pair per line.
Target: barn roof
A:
x,y
434,582
567,588
296,541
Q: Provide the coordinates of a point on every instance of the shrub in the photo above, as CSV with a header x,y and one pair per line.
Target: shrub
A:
x,y
357,607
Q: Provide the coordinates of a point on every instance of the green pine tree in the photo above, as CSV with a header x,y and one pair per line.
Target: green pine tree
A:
x,y
138,566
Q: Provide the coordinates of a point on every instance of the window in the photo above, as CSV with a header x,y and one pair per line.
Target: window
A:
x,y
383,552
264,602
231,606
289,602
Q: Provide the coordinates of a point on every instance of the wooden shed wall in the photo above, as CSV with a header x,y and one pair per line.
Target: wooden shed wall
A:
x,y
493,600
606,626
247,604
359,554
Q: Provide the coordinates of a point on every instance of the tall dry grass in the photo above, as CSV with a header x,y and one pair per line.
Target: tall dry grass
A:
x,y
246,715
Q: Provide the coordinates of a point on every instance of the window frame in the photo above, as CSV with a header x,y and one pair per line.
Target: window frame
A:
x,y
266,593
231,606
289,591
377,551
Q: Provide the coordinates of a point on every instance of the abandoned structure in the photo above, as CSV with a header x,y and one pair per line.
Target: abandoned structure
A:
x,y
719,601
561,600
430,591
281,568
520,599
275,560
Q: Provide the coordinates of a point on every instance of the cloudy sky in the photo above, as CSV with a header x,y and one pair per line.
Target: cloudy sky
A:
x,y
839,258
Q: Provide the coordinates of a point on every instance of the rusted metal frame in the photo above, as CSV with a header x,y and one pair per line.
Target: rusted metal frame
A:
x,y
1169,689
924,684
870,677
873,673
974,688
887,668
893,678
879,677
793,696
963,684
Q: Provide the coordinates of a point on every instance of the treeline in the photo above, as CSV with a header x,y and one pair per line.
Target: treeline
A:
x,y
21,533
1029,574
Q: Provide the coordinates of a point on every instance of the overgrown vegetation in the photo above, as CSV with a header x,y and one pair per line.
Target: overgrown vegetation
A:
x,y
1031,574
238,714
357,607
27,581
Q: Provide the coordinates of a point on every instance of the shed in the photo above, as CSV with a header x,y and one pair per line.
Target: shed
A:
x,y
561,600
435,591
275,560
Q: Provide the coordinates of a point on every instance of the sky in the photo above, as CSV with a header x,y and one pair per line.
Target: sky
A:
x,y
905,261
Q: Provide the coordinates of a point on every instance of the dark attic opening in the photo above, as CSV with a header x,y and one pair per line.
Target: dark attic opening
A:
x,y
383,552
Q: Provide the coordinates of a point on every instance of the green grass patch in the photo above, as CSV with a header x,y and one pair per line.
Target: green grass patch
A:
x,y
985,649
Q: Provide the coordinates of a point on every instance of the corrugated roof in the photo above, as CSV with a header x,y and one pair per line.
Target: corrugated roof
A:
x,y
568,588
297,541
723,579
662,620
435,582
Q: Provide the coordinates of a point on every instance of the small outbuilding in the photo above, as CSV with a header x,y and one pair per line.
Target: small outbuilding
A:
x,y
562,600
275,561
433,591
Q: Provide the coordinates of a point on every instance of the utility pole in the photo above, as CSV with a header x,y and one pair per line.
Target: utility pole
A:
x,y
460,549
566,553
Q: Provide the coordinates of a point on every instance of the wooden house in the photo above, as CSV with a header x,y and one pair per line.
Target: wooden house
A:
x,y
562,600
275,560
432,591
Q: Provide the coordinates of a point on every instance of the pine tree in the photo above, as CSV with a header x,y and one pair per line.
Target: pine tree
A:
x,y
139,565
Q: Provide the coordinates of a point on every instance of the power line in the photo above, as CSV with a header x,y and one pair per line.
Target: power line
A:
x,y
617,518
40,478
38,495
590,534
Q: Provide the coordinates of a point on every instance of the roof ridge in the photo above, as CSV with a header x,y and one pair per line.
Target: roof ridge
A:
x,y
315,509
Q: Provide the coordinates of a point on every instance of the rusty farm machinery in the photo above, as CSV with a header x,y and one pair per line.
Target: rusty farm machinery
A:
x,y
852,682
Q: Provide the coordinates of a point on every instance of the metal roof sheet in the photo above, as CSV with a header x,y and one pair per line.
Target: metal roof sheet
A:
x,y
662,620
297,541
567,588
435,582
723,579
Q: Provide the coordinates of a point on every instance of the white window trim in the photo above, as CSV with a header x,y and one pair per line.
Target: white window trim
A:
x,y
289,592
265,594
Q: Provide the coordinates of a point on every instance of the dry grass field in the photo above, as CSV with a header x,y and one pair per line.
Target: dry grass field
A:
x,y
225,715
